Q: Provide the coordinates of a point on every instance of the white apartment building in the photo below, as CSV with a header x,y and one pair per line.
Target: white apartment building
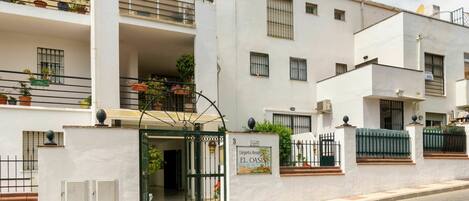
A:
x,y
304,64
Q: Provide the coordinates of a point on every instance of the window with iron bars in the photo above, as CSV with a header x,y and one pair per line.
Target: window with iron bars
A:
x,y
298,69
298,123
434,65
280,18
31,141
52,59
259,64
391,114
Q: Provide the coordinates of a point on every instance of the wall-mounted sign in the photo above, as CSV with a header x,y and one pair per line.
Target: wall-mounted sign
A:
x,y
254,160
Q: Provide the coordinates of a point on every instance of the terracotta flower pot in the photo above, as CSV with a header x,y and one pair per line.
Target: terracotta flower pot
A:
x,y
158,106
3,100
178,90
40,4
25,100
139,87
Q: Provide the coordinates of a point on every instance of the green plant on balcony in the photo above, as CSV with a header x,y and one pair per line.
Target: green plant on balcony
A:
x,y
25,91
79,6
156,92
12,100
85,103
44,80
185,66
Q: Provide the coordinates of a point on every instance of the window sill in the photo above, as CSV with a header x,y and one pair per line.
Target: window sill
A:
x,y
390,161
310,171
451,156
436,96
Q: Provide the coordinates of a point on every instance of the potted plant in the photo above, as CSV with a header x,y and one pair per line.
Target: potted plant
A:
x,y
139,87
40,3
3,99
12,100
45,77
25,91
79,6
156,89
85,103
61,5
185,67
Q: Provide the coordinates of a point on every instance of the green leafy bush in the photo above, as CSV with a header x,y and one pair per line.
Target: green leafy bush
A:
x,y
284,134
185,66
155,160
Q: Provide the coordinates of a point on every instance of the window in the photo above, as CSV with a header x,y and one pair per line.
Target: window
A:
x,y
340,68
434,66
280,18
435,119
391,114
339,15
298,69
298,123
311,8
31,141
466,66
53,60
259,64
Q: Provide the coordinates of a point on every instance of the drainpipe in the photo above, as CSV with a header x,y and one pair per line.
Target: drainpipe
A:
x,y
419,47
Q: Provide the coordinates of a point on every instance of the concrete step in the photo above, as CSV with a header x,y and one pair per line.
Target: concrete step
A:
x,y
18,197
383,160
445,155
309,170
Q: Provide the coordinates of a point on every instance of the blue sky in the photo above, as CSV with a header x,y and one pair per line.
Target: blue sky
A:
x,y
412,5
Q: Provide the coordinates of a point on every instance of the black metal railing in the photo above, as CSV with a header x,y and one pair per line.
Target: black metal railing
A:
x,y
14,176
167,10
171,96
382,144
77,6
451,140
313,153
74,92
459,16
34,139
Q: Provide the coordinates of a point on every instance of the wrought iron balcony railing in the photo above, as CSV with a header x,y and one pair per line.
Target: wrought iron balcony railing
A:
x,y
76,6
175,11
158,95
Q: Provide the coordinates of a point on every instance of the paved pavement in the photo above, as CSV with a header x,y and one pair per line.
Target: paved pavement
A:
x,y
461,195
456,190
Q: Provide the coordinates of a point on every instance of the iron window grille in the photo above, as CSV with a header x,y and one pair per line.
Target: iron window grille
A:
x,y
280,18
340,68
298,123
392,114
339,14
32,140
259,64
311,8
52,59
298,69
434,64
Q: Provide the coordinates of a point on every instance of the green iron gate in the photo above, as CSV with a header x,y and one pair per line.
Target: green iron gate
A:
x,y
204,169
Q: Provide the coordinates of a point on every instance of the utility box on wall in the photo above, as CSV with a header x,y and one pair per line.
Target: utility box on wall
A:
x,y
91,190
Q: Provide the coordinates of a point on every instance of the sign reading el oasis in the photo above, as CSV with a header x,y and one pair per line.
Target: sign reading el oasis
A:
x,y
254,160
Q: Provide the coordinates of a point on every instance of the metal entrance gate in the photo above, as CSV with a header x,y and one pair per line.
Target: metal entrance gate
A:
x,y
204,163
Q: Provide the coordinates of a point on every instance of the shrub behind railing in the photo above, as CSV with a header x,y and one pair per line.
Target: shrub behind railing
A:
x,y
450,139
382,143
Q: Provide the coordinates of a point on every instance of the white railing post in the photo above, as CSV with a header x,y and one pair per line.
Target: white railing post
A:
x,y
346,136
415,131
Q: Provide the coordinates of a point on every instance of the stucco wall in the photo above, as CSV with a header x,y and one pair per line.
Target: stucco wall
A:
x,y
323,41
357,179
16,119
91,154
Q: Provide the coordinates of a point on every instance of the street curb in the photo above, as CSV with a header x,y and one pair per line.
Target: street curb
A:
x,y
425,193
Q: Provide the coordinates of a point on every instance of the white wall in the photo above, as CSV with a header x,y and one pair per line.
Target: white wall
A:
x,y
16,119
323,41
91,154
359,179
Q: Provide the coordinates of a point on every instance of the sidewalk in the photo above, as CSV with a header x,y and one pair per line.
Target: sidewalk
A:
x,y
406,193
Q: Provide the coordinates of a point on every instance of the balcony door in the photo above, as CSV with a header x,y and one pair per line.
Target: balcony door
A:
x,y
391,114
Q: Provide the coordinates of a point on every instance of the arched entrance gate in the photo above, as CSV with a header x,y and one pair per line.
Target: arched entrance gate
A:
x,y
197,170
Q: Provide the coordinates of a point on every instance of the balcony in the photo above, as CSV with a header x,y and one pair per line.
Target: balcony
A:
x,y
375,81
462,95
168,11
76,6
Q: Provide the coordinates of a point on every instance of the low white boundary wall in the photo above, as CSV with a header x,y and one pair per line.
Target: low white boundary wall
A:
x,y
358,179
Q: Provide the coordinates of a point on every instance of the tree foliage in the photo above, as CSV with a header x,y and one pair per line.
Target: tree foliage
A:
x,y
284,134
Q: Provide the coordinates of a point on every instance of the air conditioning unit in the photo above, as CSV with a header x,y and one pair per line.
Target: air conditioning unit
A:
x,y
324,106
428,76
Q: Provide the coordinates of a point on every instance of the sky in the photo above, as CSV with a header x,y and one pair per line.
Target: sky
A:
x,y
412,5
